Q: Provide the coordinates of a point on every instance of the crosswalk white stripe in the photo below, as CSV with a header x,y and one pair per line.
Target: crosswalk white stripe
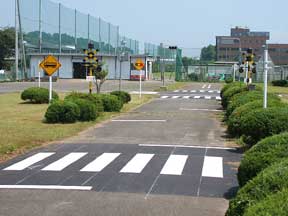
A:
x,y
29,161
209,86
204,86
218,98
197,97
137,163
176,91
100,162
211,91
65,161
174,165
174,97
202,91
164,97
213,167
207,97
218,92
184,91
193,91
186,97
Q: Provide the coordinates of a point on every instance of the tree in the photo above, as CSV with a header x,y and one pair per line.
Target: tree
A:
x,y
100,77
208,54
7,44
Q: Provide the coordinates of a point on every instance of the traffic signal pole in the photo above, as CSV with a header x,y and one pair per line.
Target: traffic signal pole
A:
x,y
90,83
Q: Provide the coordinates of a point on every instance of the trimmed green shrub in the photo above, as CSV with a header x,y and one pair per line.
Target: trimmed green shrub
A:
x,y
124,96
229,93
235,119
87,110
111,103
262,123
229,85
262,155
242,98
274,205
37,95
229,80
268,182
94,98
281,83
62,112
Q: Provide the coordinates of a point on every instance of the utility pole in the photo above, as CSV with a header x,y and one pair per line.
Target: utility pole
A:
x,y
265,75
16,41
40,26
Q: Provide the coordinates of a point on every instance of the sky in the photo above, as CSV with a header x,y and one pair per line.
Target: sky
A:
x,y
189,24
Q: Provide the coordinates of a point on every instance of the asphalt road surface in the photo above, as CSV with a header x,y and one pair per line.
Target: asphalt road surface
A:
x,y
168,157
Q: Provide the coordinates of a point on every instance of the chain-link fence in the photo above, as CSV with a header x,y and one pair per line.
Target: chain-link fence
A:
x,y
52,27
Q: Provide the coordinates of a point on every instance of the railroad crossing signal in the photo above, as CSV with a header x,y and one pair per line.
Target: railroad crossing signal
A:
x,y
50,65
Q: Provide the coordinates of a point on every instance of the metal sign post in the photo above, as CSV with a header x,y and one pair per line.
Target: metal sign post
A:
x,y
50,65
139,64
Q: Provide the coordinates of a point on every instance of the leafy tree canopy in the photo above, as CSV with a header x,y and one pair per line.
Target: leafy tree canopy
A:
x,y
7,43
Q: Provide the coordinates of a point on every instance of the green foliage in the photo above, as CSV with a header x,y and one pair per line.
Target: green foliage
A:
x,y
229,80
229,85
122,95
7,45
37,95
234,121
62,112
87,110
193,77
268,182
262,155
111,103
208,54
246,97
271,206
100,78
282,83
262,123
94,98
230,92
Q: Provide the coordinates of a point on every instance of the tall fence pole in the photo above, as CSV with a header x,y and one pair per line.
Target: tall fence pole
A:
x,y
265,76
60,34
75,30
40,26
16,41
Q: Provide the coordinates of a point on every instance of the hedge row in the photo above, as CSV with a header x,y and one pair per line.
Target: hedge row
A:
x,y
85,107
282,83
263,171
268,182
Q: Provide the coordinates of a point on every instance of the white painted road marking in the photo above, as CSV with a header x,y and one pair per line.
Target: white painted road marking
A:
x,y
209,86
174,165
188,146
202,91
64,162
140,120
218,98
193,91
186,97
164,97
208,97
29,161
46,187
137,163
213,167
211,91
100,162
208,110
176,91
204,86
184,91
174,97
197,97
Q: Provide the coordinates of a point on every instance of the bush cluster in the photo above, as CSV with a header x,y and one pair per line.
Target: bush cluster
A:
x,y
38,95
122,95
262,155
281,83
62,112
268,182
111,103
230,92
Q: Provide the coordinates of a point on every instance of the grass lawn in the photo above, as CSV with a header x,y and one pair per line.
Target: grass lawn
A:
x,y
22,127
283,91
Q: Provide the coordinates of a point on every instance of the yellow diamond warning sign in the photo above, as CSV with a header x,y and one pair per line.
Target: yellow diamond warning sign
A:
x,y
50,64
139,64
